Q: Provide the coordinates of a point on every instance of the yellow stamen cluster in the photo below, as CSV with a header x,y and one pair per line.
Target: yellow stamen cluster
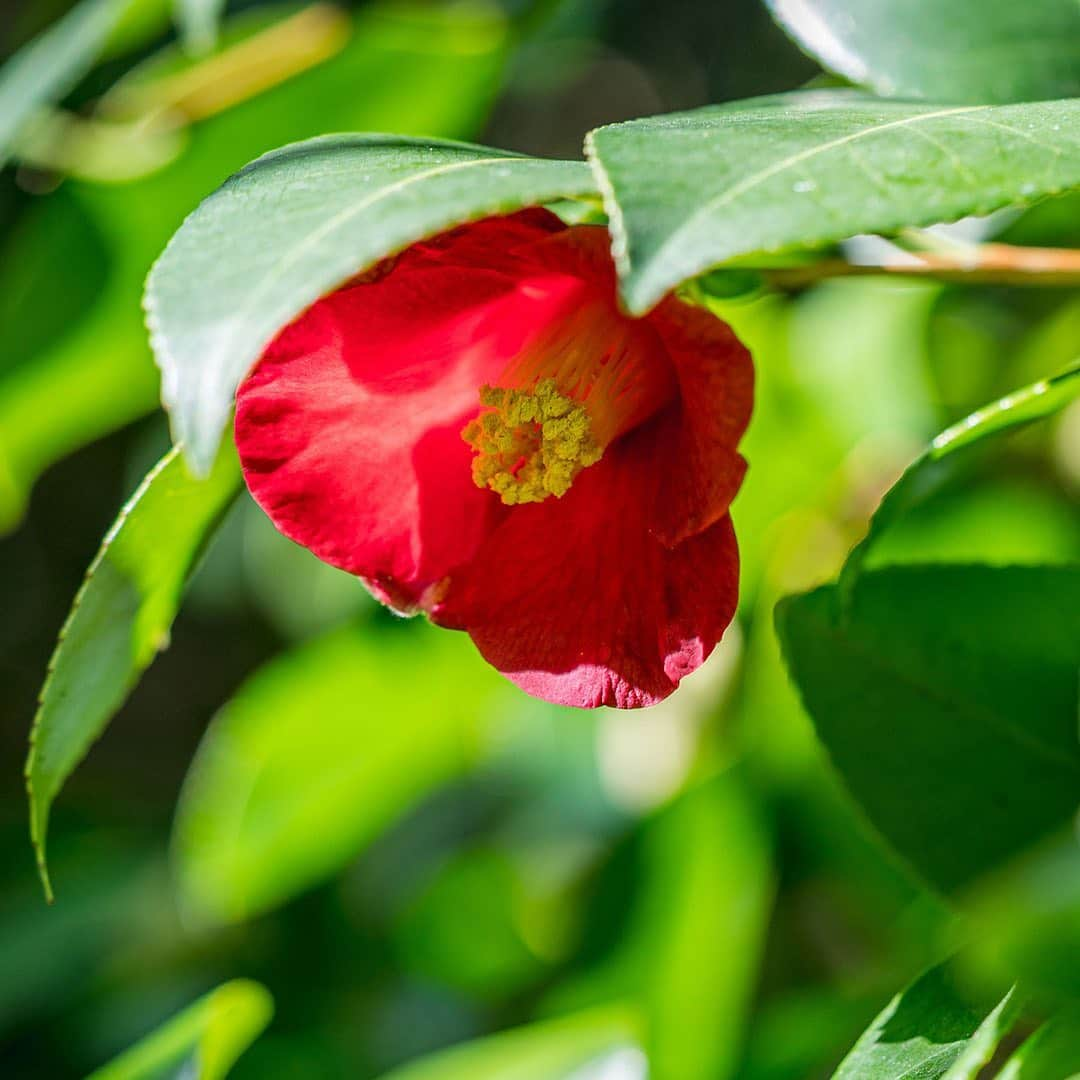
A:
x,y
530,444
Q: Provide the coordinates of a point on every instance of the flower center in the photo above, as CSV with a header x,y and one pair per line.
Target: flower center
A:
x,y
587,378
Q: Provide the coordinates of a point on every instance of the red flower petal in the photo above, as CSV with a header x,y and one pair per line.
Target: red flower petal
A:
x,y
578,602
716,393
349,427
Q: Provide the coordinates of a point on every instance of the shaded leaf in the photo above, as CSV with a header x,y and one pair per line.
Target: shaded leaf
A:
x,y
202,1042
947,698
967,50
120,619
293,225
928,1031
581,1047
808,169
316,754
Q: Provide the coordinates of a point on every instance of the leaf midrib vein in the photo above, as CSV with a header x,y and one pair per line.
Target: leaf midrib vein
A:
x,y
748,183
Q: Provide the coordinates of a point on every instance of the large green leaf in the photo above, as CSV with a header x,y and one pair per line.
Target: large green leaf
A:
x,y
317,753
293,225
200,1043
595,1043
966,50
947,698
809,169
930,1030
121,618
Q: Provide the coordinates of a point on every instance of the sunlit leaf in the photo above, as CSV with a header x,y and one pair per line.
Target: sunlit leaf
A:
x,y
120,619
319,752
296,223
966,50
947,698
587,1046
929,1031
202,1042
809,169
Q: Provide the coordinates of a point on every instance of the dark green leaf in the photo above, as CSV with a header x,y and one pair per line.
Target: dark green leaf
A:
x,y
293,225
947,698
201,1043
810,169
966,50
121,618
928,1031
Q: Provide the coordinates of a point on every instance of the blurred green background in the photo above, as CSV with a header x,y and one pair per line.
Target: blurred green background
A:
x,y
353,810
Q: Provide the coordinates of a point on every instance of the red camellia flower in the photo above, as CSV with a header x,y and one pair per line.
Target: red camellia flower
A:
x,y
478,432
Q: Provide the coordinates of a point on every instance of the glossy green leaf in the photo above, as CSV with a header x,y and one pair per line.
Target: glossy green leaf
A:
x,y
589,1044
947,698
50,65
200,1043
1052,1053
319,752
1036,402
809,169
120,619
966,50
293,225
928,1031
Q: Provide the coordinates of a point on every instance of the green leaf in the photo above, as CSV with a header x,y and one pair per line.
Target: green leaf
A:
x,y
293,225
48,67
928,1031
809,169
316,754
198,21
1052,1053
120,619
947,698
202,1042
593,1043
967,50
926,475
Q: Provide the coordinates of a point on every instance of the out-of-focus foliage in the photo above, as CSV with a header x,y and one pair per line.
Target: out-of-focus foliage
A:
x,y
921,48
204,1040
434,877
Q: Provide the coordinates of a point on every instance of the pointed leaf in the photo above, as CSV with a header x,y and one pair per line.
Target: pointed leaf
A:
x,y
809,169
293,225
966,50
200,1043
928,1031
120,619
